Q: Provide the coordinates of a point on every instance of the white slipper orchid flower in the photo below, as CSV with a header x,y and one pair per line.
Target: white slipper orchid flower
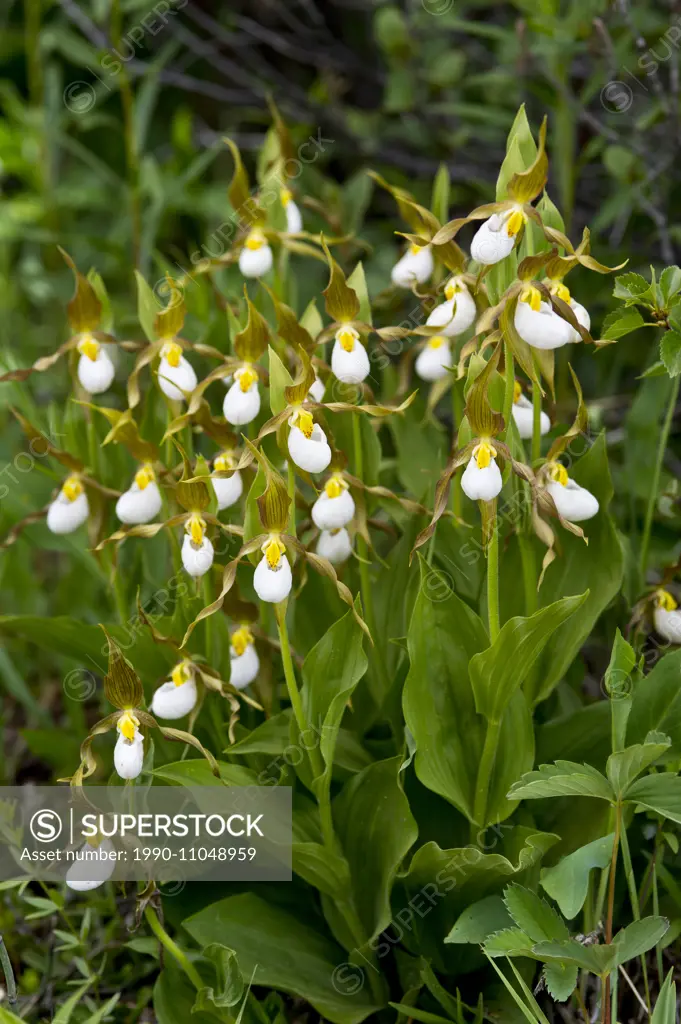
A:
x,y
496,237
294,219
537,323
129,749
228,489
335,506
70,508
273,578
255,259
573,502
142,501
335,545
176,698
176,376
96,370
434,360
307,443
458,313
244,663
94,865
523,414
481,479
415,267
197,550
349,358
316,392
667,617
242,401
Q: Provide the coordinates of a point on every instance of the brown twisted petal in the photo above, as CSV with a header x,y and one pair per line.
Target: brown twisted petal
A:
x,y
442,494
19,527
122,685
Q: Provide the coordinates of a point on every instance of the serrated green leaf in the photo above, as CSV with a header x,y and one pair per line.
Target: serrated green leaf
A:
x,y
621,321
633,288
560,980
564,778
533,915
509,942
670,352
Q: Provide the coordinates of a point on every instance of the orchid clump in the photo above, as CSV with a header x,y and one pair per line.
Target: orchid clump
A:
x,y
377,594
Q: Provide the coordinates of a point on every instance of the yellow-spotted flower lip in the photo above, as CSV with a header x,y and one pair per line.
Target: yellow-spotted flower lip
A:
x,y
128,724
172,352
347,337
335,486
182,673
560,290
255,239
454,285
483,453
302,419
144,476
273,549
223,462
517,391
196,528
72,488
532,296
246,375
558,473
437,341
664,600
87,346
515,221
241,638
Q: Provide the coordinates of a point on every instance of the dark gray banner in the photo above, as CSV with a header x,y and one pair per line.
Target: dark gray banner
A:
x,y
166,833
